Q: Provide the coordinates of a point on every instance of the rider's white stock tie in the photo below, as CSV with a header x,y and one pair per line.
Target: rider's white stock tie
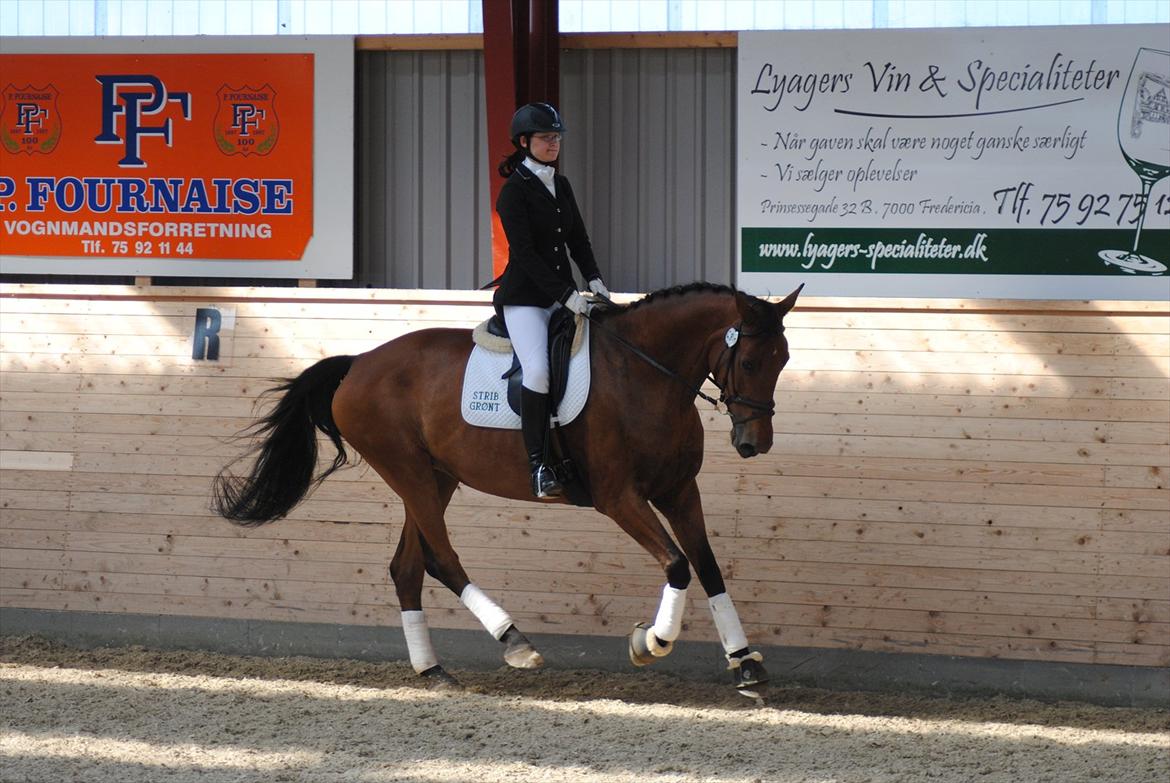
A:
x,y
487,611
418,640
731,633
668,622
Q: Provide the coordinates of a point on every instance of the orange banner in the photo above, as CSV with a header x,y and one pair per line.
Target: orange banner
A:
x,y
156,155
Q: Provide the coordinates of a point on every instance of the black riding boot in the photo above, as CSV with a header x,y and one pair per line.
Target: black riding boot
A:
x,y
533,424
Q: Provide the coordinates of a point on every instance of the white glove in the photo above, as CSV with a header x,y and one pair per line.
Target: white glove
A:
x,y
598,287
578,304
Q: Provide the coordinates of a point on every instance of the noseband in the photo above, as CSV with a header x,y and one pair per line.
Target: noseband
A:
x,y
727,395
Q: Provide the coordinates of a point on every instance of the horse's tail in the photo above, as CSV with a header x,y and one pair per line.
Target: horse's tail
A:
x,y
286,454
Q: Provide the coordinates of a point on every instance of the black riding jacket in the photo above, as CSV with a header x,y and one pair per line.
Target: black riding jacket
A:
x,y
542,233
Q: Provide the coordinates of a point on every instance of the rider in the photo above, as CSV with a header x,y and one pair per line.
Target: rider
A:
x,y
541,220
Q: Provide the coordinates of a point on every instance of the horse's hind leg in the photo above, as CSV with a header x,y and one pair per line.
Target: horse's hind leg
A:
x,y
406,569
518,651
425,546
684,512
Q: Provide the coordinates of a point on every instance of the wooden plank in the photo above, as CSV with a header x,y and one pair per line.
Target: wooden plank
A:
x,y
973,579
226,566
370,534
863,381
758,495
968,457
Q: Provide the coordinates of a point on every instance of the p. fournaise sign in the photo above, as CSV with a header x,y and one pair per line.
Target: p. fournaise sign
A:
x,y
168,159
198,155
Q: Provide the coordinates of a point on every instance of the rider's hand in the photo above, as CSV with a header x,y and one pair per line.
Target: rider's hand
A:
x,y
578,304
598,287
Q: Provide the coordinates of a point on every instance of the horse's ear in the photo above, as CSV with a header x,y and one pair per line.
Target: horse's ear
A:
x,y
789,301
748,307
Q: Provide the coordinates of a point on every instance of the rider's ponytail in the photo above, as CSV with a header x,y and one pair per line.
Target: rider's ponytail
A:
x,y
510,163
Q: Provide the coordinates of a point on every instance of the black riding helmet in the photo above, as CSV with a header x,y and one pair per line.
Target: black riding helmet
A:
x,y
536,118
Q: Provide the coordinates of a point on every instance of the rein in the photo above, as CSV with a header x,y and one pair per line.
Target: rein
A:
x,y
767,409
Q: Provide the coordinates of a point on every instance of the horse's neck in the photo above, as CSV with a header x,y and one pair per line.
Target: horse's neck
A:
x,y
677,332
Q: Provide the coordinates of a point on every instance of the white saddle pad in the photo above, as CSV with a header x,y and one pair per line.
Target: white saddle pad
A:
x,y
485,393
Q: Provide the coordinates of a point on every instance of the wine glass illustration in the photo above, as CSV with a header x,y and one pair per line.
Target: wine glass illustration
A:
x,y
1143,130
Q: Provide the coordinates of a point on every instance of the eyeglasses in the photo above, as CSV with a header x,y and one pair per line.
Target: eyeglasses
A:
x,y
548,138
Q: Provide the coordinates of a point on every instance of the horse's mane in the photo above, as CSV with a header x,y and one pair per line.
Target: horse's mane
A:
x,y
675,291
665,293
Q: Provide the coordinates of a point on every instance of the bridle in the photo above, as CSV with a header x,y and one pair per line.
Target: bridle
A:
x,y
731,341
727,395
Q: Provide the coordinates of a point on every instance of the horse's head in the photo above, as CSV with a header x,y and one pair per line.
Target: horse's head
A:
x,y
748,367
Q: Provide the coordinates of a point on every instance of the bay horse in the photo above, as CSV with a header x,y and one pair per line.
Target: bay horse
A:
x,y
638,441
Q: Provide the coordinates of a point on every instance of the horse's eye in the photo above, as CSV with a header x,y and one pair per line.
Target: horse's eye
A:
x,y
748,365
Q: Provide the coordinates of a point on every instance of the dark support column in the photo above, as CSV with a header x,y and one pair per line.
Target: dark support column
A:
x,y
544,53
521,55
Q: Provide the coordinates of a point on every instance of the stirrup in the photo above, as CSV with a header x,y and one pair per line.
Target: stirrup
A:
x,y
544,482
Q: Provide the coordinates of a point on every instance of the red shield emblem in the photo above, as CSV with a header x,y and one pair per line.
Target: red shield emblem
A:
x,y
29,120
246,122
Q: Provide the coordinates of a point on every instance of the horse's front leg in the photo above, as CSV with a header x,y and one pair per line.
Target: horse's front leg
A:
x,y
651,641
684,511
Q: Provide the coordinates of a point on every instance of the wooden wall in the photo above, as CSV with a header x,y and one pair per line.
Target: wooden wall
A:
x,y
967,478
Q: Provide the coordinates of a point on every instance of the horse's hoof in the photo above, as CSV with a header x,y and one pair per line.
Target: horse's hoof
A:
x,y
645,648
749,675
518,651
523,656
437,679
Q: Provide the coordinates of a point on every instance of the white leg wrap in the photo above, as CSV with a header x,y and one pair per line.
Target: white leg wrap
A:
x,y
668,623
731,633
487,611
418,640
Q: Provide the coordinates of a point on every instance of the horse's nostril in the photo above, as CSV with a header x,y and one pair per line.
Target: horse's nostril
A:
x,y
746,450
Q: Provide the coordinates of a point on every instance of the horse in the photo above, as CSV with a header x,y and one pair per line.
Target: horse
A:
x,y
638,441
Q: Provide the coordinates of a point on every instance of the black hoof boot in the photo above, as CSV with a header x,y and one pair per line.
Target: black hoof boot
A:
x,y
748,674
437,679
519,652
645,647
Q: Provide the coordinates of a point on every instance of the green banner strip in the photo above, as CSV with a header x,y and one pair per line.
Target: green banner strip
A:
x,y
952,251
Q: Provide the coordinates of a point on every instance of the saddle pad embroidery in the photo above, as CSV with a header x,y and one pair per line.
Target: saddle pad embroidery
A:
x,y
485,393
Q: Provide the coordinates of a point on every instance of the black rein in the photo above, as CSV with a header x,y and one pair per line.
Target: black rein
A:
x,y
767,409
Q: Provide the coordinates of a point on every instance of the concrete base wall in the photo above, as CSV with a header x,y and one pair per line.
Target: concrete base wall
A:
x,y
1110,685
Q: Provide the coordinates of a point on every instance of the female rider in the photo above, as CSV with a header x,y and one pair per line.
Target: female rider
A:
x,y
544,227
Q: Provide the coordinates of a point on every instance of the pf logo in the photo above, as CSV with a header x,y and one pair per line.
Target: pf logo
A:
x,y
246,122
135,97
29,121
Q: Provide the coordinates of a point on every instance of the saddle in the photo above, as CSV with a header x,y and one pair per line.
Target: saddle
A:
x,y
564,341
568,392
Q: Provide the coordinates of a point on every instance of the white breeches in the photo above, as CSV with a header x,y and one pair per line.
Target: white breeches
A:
x,y
528,328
